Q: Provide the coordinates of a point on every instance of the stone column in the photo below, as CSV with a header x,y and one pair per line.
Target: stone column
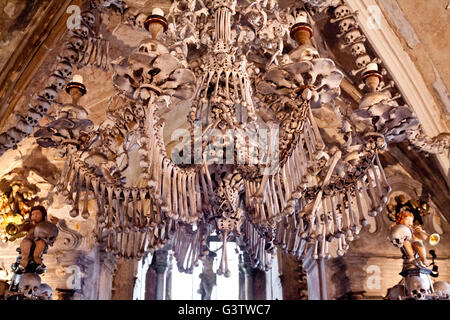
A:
x,y
107,264
124,280
160,264
254,281
169,277
316,277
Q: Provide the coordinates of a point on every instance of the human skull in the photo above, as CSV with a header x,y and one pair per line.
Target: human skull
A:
x,y
152,47
88,18
29,285
32,117
6,140
341,11
49,94
346,25
130,15
46,231
140,19
64,69
442,287
417,287
70,54
82,31
41,106
15,135
396,292
24,127
57,82
45,292
358,49
352,36
398,234
362,61
77,42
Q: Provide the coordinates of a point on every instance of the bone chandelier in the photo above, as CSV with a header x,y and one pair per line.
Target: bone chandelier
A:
x,y
253,163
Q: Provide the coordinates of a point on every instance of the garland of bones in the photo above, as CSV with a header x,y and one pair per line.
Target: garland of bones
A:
x,y
315,196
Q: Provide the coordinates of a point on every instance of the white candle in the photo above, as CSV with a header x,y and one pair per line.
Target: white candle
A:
x,y
77,78
158,12
372,67
301,18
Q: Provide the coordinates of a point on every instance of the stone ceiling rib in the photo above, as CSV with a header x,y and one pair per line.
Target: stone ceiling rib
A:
x,y
406,75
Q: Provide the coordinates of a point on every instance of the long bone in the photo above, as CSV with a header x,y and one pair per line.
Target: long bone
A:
x,y
365,195
269,205
315,254
280,192
311,207
180,196
95,185
345,215
198,195
81,177
126,216
157,173
338,230
318,137
66,178
354,224
110,190
329,224
383,175
192,200
303,157
287,187
309,144
118,216
142,215
103,209
66,168
84,53
205,188
373,196
276,202
298,163
381,194
167,191
362,219
163,186
175,193
73,182
293,174
134,195
262,188
84,211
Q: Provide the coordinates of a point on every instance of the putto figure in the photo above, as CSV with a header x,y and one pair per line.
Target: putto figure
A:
x,y
40,234
415,244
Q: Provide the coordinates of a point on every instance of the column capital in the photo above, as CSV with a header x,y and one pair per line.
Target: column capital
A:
x,y
160,261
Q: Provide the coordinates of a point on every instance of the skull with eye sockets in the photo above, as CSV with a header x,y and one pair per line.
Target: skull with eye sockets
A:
x,y
399,234
341,11
417,287
29,285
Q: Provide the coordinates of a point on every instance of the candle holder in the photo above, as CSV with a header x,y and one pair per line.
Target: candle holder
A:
x,y
76,91
372,79
301,32
155,24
